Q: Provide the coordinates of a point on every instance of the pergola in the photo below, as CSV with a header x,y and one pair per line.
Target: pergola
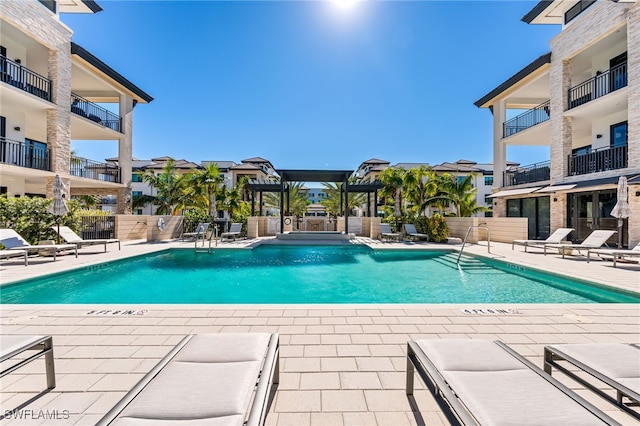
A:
x,y
287,176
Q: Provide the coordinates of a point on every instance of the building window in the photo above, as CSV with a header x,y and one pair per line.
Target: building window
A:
x,y
583,150
49,4
576,10
136,177
488,180
137,211
488,214
619,134
136,194
488,201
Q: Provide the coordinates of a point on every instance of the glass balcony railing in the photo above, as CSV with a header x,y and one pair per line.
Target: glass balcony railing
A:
x,y
598,86
537,172
81,106
525,120
598,160
89,169
21,77
29,154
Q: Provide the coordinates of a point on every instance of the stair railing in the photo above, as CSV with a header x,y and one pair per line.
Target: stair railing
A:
x,y
483,226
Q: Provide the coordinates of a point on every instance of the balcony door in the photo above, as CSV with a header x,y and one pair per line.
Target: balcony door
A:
x,y
591,211
618,72
619,134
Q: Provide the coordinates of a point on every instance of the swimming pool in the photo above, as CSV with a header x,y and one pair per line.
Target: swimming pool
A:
x,y
307,274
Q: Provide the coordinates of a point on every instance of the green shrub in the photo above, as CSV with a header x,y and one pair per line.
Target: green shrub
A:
x,y
194,216
30,218
437,228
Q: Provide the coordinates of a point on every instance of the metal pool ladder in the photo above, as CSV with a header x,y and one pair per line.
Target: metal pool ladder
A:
x,y
485,227
214,235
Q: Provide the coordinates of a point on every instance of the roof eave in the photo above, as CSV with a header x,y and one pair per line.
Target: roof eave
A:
x,y
536,11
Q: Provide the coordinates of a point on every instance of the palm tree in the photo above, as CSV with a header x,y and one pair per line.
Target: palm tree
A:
x,y
461,194
298,200
170,193
332,201
392,186
205,188
421,185
232,198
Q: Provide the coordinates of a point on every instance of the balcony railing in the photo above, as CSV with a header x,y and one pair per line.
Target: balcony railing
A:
x,y
85,168
93,112
598,86
534,173
598,160
525,120
24,154
23,78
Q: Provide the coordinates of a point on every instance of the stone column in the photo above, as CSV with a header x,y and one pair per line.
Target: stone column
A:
x,y
59,118
561,129
633,117
125,154
499,148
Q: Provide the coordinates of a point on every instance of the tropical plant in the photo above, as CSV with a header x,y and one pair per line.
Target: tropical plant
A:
x,y
437,228
298,200
204,188
232,198
420,187
392,180
170,196
461,194
333,202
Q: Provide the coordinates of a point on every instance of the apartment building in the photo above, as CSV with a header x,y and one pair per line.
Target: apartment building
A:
x,y
53,91
582,100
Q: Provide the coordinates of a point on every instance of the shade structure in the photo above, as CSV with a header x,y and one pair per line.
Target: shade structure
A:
x,y
621,210
58,206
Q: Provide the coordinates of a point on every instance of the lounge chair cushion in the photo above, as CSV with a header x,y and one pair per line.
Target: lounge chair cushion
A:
x,y
500,390
618,361
202,386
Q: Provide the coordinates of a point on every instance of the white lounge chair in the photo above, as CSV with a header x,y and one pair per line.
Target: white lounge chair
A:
x,y
7,254
206,379
12,345
199,234
616,364
615,253
234,232
484,382
385,233
71,237
595,240
556,238
13,241
412,233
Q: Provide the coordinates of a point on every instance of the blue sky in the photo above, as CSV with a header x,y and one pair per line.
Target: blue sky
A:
x,y
309,85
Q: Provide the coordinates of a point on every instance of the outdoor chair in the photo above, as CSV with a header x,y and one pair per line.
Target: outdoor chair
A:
x,y
487,383
234,232
385,233
199,234
206,379
616,364
13,345
557,237
71,237
615,253
412,233
595,240
7,254
13,241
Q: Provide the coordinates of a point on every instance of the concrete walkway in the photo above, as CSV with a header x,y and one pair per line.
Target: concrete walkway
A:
x,y
341,364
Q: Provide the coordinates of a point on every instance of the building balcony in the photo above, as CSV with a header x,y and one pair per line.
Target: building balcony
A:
x,y
527,119
84,108
89,169
28,153
598,86
537,172
598,160
21,77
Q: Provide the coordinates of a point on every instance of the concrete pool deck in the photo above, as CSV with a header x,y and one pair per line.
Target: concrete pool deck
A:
x,y
340,364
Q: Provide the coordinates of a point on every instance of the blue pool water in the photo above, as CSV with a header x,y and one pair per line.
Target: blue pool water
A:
x,y
306,274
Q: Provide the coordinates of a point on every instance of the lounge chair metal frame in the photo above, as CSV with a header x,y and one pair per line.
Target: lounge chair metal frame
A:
x,y
413,234
71,237
418,361
614,253
9,235
385,235
269,375
234,231
585,245
552,355
555,238
42,344
8,254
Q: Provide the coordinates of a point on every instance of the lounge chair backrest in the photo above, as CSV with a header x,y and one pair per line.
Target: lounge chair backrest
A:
x,y
236,227
11,239
67,234
385,228
202,227
558,235
410,228
597,238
